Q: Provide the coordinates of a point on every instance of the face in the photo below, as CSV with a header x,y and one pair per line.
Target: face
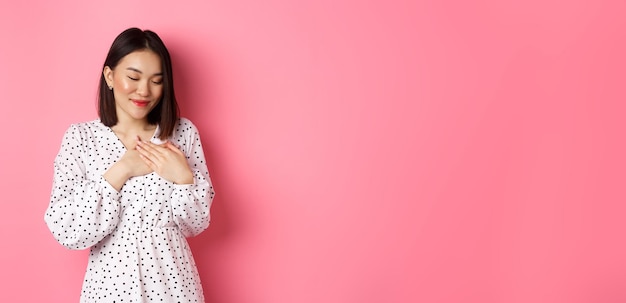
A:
x,y
137,83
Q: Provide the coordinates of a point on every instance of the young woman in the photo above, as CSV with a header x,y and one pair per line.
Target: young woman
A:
x,y
133,184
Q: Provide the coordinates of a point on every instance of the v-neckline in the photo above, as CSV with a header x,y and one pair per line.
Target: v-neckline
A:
x,y
117,138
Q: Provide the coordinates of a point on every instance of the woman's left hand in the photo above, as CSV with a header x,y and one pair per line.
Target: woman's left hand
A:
x,y
167,161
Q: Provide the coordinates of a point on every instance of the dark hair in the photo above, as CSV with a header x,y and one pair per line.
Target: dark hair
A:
x,y
165,113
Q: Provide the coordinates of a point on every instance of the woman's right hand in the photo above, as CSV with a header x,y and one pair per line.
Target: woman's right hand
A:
x,y
133,164
130,165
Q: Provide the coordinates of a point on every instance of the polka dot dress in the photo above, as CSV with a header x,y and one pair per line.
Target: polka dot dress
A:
x,y
139,252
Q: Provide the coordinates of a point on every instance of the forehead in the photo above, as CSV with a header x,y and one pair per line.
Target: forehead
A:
x,y
146,61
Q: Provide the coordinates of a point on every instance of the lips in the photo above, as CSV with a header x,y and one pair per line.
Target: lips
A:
x,y
140,103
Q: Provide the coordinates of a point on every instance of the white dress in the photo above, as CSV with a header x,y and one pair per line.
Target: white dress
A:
x,y
139,252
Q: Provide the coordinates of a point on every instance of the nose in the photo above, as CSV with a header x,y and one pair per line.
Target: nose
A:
x,y
143,88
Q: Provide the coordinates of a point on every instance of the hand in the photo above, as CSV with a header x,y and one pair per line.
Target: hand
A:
x,y
166,160
134,165
129,165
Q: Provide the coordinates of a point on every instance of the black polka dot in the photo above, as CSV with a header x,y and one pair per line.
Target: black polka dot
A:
x,y
137,237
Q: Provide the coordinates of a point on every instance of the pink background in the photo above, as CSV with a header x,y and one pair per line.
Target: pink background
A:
x,y
362,151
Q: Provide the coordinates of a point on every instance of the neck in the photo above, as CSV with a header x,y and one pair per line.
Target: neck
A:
x,y
132,126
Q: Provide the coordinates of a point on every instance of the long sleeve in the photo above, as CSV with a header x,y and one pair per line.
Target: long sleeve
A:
x,y
191,203
82,211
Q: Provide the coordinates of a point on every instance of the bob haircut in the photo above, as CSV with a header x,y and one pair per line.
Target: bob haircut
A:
x,y
165,113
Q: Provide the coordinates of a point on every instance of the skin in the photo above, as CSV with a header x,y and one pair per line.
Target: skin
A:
x,y
137,88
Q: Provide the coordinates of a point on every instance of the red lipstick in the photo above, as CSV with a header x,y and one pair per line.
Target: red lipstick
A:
x,y
140,103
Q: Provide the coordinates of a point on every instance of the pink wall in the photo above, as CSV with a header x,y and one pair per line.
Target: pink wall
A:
x,y
362,151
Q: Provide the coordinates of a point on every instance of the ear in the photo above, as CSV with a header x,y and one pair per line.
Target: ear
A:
x,y
108,75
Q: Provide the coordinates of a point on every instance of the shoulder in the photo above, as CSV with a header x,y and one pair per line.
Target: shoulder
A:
x,y
185,124
185,128
185,135
80,135
85,129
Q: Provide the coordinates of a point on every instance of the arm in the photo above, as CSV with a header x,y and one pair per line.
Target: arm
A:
x,y
81,212
191,203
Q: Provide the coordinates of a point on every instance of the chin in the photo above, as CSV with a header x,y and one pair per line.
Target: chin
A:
x,y
140,116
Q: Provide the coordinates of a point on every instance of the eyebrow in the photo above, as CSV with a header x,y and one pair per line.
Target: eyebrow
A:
x,y
138,71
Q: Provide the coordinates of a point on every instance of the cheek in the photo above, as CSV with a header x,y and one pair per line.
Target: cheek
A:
x,y
124,84
157,91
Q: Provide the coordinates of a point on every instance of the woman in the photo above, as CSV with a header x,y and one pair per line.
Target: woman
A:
x,y
133,184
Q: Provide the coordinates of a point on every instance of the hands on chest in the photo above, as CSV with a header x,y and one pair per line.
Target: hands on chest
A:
x,y
165,159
